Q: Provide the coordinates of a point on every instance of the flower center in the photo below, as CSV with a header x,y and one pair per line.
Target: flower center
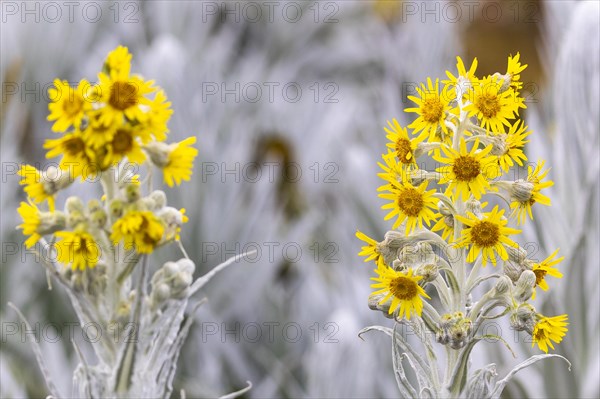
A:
x,y
73,106
403,150
403,288
432,110
485,234
122,142
410,201
488,104
74,146
539,275
466,168
123,95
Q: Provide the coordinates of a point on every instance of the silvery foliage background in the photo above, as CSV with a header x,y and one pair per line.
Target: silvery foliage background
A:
x,y
369,61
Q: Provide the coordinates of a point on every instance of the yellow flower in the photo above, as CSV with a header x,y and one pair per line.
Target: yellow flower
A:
x,y
544,268
432,109
31,222
487,236
403,146
549,329
77,248
123,97
124,143
514,70
514,142
402,288
469,75
410,203
97,134
467,172
69,105
141,230
492,106
525,193
39,185
158,116
75,154
371,250
180,162
118,62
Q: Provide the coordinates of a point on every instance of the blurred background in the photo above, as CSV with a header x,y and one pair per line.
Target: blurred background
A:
x,y
303,89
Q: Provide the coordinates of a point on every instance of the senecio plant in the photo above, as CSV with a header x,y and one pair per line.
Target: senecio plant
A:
x,y
447,235
99,251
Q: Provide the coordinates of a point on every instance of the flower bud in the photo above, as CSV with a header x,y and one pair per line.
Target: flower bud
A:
x,y
186,266
116,208
474,206
524,287
159,153
93,205
98,218
132,192
74,218
429,271
383,308
73,204
160,199
521,190
503,285
523,319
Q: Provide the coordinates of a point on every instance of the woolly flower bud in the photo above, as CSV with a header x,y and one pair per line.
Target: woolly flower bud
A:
x,y
73,204
521,190
503,285
93,205
51,222
504,79
186,265
523,319
498,142
159,153
524,287
173,220
74,218
160,199
116,208
455,330
132,192
383,308
98,218
55,179
474,206
429,272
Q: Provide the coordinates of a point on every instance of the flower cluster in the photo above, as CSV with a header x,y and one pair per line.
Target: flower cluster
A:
x,y
471,128
107,130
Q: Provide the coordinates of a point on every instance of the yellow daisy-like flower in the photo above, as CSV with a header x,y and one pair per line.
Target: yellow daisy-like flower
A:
x,y
469,75
467,172
158,114
68,105
31,223
97,134
401,144
118,62
546,268
123,98
370,251
141,230
514,70
549,329
75,154
410,203
432,109
180,162
124,143
525,193
514,142
402,288
34,181
486,236
492,106
77,248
